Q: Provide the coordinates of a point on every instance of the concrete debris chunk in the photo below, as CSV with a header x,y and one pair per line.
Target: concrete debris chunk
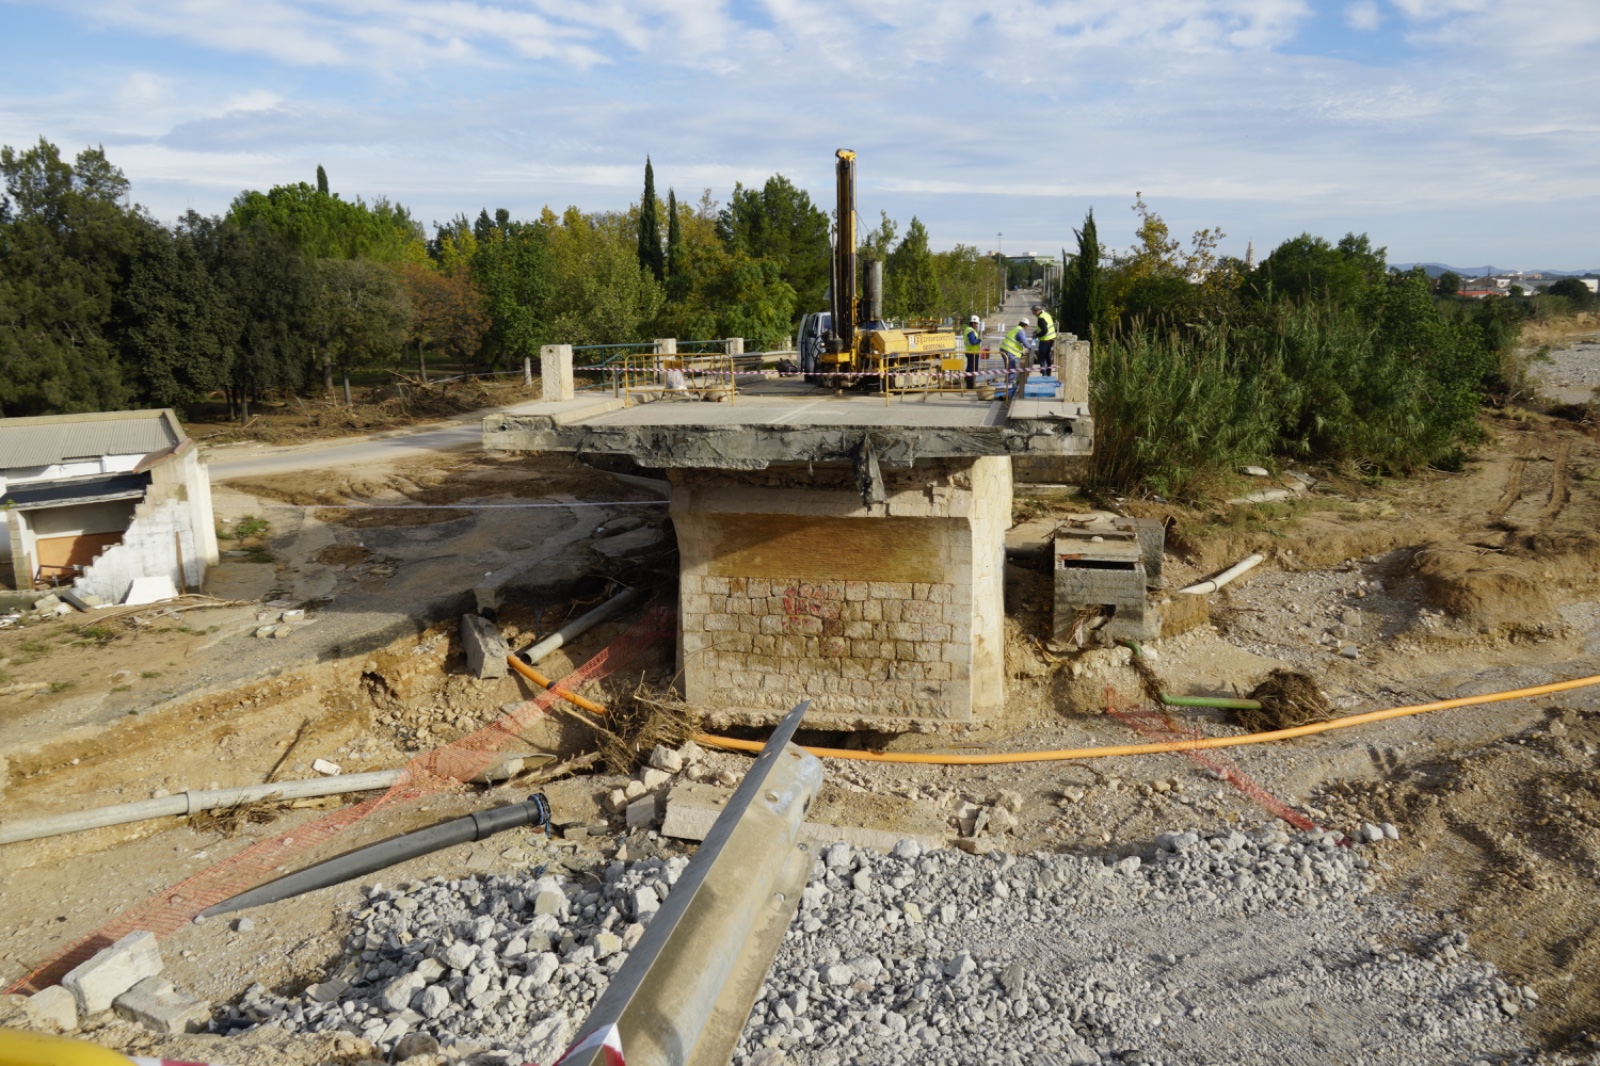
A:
x,y
323,766
1008,801
642,813
414,1045
396,995
155,1004
327,991
485,648
666,759
652,779
83,601
96,983
53,1007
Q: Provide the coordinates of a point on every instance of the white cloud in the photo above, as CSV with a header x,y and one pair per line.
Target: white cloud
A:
x,y
1363,15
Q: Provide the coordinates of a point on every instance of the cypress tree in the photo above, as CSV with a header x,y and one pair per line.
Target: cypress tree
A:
x,y
650,226
674,238
322,180
1083,296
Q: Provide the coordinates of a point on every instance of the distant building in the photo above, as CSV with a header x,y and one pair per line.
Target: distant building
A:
x,y
97,500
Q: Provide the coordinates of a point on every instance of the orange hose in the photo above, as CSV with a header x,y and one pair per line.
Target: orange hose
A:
x,y
1066,754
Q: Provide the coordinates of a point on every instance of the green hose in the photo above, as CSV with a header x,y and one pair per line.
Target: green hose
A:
x,y
1220,702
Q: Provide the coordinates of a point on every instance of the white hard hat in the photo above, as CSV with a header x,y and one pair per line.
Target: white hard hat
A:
x,y
973,320
1022,322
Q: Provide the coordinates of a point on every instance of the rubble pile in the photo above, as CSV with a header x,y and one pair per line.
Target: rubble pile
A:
x,y
1267,943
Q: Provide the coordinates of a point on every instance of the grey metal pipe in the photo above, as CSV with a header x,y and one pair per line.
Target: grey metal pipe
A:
x,y
578,625
191,802
385,853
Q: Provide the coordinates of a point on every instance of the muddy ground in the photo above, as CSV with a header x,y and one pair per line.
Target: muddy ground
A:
x,y
1386,592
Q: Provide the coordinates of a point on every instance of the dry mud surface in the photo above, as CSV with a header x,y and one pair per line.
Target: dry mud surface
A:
x,y
1387,594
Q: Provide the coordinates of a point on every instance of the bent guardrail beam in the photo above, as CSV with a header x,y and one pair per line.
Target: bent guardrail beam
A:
x,y
683,995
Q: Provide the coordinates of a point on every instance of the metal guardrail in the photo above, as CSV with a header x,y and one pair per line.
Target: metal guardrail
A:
x,y
685,992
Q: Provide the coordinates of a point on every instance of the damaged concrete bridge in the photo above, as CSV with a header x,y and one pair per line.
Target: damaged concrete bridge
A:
x,y
844,547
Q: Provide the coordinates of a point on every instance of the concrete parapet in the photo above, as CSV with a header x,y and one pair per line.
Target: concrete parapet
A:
x,y
1071,357
555,372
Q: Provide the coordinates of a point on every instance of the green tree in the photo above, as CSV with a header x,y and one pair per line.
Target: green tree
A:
x,y
359,316
779,222
600,293
324,226
514,267
265,289
66,243
174,323
650,256
1309,268
1084,309
968,281
911,283
1575,291
322,181
675,263
1449,283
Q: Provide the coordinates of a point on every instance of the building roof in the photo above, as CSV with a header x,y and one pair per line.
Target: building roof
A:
x,y
78,490
50,439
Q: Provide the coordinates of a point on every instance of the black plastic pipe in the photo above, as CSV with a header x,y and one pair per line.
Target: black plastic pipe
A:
x,y
385,853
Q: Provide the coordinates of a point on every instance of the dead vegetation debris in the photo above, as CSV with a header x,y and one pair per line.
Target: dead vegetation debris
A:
x,y
1288,698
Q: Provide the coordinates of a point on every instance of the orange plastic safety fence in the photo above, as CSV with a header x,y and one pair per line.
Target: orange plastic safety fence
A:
x,y
1154,726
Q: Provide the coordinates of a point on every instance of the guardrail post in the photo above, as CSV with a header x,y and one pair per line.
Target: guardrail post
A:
x,y
555,372
684,994
527,370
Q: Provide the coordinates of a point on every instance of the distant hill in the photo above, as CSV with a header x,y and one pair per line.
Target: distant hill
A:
x,y
1433,270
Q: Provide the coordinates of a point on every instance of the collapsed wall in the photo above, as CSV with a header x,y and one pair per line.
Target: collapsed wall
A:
x,y
160,541
884,615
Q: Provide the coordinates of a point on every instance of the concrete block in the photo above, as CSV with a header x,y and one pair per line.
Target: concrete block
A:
x,y
96,983
53,1007
486,649
665,758
642,813
161,1008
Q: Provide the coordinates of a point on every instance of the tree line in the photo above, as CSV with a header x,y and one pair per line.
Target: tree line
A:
x,y
1321,352
293,289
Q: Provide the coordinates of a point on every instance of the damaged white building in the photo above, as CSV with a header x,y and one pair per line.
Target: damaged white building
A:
x,y
96,501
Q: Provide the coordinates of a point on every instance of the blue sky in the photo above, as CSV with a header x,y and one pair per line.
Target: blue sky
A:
x,y
1460,131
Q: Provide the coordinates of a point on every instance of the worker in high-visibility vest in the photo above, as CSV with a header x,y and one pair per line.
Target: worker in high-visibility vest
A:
x,y
1045,338
1014,344
973,340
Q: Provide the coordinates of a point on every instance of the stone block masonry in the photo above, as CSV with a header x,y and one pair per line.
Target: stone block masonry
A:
x,y
883,615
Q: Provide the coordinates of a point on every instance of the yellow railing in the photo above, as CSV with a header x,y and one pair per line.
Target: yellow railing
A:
x,y
656,376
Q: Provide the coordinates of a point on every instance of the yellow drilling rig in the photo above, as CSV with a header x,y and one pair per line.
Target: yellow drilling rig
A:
x,y
858,349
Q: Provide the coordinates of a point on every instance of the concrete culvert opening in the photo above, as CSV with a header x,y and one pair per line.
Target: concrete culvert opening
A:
x,y
1288,698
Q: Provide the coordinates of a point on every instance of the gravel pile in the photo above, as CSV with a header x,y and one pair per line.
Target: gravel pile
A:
x,y
1228,947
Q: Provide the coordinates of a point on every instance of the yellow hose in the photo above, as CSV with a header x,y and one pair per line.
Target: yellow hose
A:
x,y
1065,754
